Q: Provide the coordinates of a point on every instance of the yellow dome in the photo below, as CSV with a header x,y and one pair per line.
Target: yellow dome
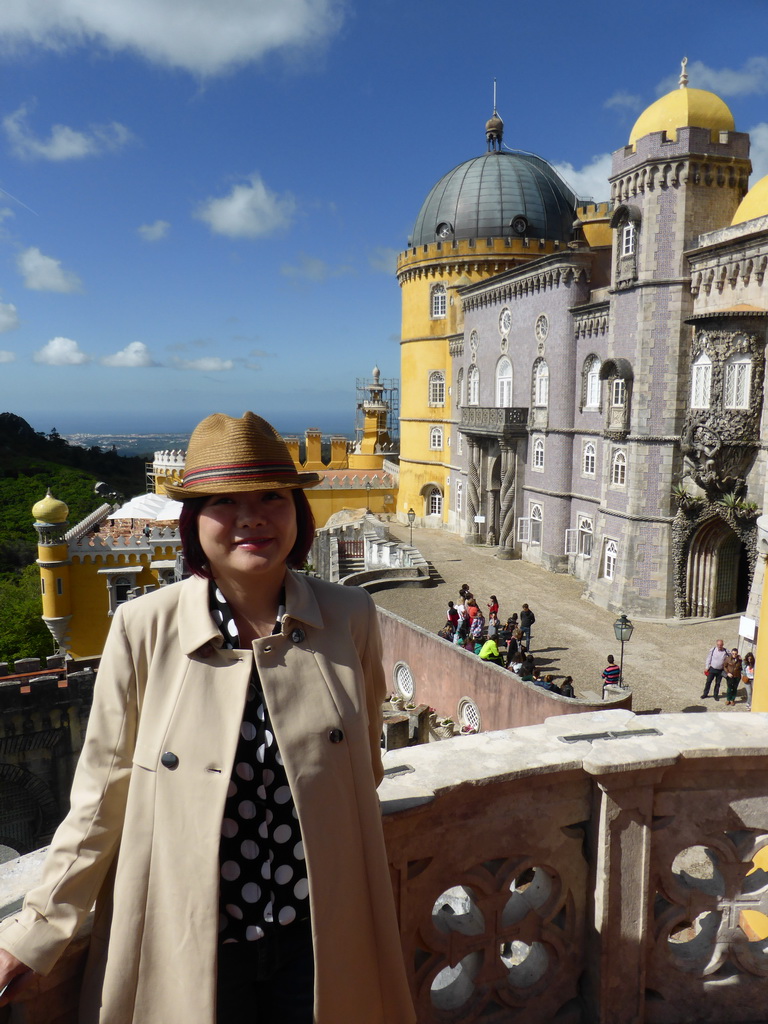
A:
x,y
754,204
50,510
683,108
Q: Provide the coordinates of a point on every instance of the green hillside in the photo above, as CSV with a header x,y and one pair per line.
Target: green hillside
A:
x,y
30,463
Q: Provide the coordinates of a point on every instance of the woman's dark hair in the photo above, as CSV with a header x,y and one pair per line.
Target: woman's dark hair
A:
x,y
749,654
193,551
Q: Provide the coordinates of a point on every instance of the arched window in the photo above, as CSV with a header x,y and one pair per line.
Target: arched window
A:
x,y
437,388
536,518
473,397
541,384
610,558
438,301
460,386
538,453
592,383
701,382
738,372
436,439
619,468
585,536
435,502
504,384
590,459
122,588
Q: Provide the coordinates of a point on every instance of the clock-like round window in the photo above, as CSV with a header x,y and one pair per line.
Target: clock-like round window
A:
x,y
542,327
505,320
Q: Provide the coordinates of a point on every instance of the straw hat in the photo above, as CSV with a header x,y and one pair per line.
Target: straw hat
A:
x,y
227,454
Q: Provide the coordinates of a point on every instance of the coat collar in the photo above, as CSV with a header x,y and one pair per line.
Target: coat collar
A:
x,y
197,628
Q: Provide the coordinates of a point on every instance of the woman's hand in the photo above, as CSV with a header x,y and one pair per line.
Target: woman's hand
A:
x,y
14,975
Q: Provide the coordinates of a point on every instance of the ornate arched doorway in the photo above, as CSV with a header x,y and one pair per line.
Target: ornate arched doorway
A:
x,y
717,573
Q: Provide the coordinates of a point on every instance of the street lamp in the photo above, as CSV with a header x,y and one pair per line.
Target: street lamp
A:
x,y
368,496
411,517
623,629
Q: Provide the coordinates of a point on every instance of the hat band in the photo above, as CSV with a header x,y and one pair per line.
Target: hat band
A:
x,y
238,472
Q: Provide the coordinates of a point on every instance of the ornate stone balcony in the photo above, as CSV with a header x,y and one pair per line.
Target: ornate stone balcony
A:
x,y
493,422
598,867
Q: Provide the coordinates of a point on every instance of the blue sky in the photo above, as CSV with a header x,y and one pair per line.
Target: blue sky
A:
x,y
202,200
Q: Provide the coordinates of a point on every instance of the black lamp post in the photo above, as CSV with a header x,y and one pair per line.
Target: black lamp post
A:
x,y
623,629
411,517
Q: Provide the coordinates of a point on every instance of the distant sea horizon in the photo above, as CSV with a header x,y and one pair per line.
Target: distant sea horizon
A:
x,y
146,444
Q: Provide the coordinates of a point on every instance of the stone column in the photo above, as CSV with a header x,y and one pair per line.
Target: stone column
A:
x,y
507,527
621,895
473,492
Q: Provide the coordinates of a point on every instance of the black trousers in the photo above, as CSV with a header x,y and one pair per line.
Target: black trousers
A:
x,y
270,981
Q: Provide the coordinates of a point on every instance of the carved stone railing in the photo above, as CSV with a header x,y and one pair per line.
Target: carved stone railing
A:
x,y
595,868
490,421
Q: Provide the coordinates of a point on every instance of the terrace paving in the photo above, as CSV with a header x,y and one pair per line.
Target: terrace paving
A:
x,y
663,662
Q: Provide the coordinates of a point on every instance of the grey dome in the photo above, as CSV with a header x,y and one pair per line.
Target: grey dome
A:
x,y
498,195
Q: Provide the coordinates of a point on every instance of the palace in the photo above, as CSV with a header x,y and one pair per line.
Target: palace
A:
x,y
582,383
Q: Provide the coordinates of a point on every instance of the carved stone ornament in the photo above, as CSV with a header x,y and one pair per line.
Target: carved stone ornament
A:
x,y
719,444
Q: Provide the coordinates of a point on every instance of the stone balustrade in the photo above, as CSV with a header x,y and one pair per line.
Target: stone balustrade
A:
x,y
593,868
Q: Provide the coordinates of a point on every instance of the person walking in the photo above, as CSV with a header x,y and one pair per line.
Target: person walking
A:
x,y
527,619
732,669
611,672
748,676
713,669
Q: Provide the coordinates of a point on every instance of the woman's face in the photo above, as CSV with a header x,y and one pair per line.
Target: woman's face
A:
x,y
248,533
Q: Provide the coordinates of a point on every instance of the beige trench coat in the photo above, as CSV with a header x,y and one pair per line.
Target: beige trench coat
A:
x,y
142,841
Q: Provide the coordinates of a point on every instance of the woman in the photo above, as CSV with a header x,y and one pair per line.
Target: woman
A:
x,y
566,687
732,666
493,606
224,815
748,676
452,616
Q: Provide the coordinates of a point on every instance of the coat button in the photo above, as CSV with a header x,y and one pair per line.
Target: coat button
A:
x,y
298,635
335,735
169,760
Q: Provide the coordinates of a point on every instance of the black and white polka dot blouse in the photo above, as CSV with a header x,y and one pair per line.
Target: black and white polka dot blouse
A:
x,y
263,873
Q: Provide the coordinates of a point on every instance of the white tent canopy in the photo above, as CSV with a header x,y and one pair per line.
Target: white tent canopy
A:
x,y
149,506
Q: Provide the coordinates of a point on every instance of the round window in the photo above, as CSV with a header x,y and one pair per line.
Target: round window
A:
x,y
469,715
404,681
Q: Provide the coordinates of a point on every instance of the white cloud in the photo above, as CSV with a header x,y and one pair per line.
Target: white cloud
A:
x,y
208,364
61,352
249,211
749,80
591,182
64,143
624,101
134,354
383,259
6,357
154,232
6,212
758,151
310,268
200,36
46,274
9,317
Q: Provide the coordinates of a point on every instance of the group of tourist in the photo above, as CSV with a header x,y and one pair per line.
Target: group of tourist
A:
x,y
507,644
729,664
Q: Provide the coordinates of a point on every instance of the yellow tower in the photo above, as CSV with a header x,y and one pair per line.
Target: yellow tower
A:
x,y
489,214
53,558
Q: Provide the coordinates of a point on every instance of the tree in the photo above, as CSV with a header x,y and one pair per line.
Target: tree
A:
x,y
23,634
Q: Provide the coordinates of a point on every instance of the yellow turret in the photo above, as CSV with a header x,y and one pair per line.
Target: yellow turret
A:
x,y
53,558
